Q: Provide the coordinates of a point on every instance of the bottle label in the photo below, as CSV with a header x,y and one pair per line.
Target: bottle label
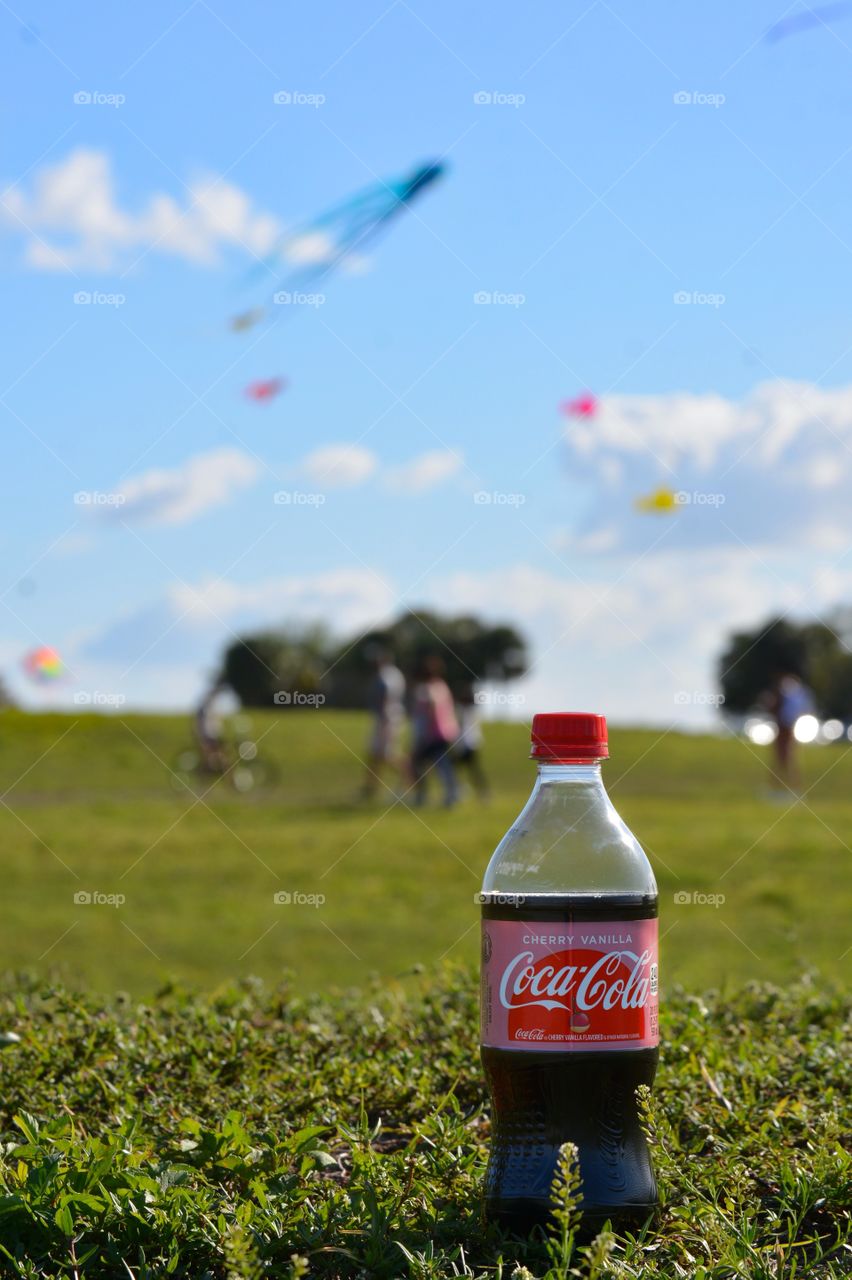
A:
x,y
576,986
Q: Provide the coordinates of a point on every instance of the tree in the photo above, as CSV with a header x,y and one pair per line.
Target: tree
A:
x,y
472,650
293,661
815,651
268,669
752,658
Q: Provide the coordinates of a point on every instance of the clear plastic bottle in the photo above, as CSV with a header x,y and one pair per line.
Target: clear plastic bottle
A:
x,y
569,989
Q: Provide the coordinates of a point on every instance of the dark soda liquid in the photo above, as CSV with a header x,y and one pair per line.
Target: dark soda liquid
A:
x,y
542,1099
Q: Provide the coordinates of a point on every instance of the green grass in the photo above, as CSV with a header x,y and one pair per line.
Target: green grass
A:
x,y
262,1133
268,1129
88,805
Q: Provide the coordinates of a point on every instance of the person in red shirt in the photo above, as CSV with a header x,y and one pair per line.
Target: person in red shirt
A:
x,y
434,730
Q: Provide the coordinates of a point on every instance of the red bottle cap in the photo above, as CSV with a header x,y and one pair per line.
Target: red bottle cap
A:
x,y
569,737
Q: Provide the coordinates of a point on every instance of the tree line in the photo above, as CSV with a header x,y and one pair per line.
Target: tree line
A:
x,y
306,661
309,660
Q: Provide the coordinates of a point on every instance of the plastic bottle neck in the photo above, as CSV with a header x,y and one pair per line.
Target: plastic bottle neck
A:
x,y
568,839
588,772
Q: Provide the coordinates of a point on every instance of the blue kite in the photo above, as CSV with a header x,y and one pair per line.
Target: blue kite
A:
x,y
305,256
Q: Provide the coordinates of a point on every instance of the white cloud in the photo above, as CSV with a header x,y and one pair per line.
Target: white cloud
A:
x,y
76,220
603,539
822,472
193,622
339,466
423,472
625,636
176,495
343,598
631,610
344,466
627,639
623,642
168,496
777,467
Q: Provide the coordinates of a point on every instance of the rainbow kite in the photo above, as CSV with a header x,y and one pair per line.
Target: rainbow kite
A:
x,y
44,665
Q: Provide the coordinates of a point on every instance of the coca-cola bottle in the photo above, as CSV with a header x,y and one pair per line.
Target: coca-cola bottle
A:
x,y
569,989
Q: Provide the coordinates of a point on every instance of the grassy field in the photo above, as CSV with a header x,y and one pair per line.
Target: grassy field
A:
x,y
271,1129
88,806
262,1133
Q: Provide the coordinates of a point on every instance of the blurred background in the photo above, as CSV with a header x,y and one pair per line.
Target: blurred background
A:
x,y
520,337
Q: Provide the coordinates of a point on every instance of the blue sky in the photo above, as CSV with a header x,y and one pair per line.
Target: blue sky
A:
x,y
583,190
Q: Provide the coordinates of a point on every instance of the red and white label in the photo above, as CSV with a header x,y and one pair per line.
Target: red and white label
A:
x,y
552,985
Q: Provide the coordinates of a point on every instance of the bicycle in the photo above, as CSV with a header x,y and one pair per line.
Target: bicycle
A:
x,y
241,768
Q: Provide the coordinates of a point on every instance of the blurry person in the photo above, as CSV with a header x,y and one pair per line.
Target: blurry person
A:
x,y
434,730
209,729
387,703
469,742
788,699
